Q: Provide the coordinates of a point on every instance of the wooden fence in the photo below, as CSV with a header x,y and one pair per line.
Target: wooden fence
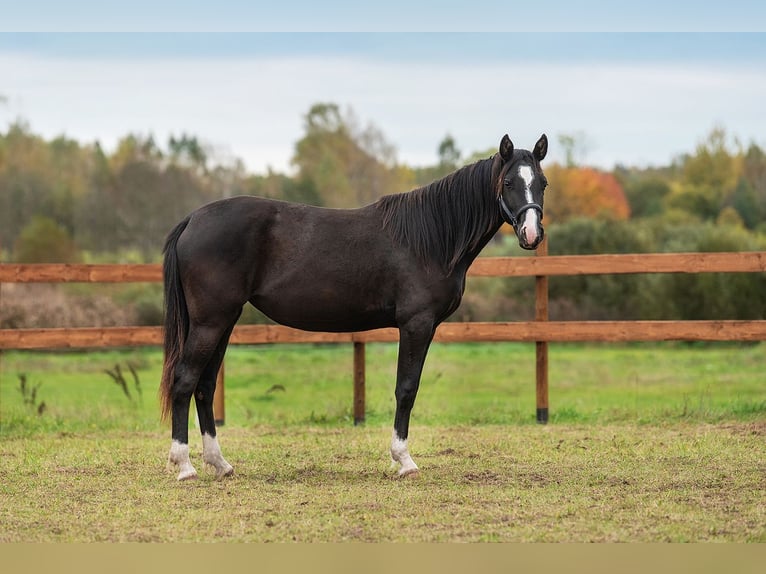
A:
x,y
541,331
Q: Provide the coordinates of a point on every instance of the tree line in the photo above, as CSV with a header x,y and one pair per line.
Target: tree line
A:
x,y
63,200
67,201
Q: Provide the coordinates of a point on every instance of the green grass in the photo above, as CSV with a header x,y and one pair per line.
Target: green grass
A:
x,y
462,384
312,484
661,442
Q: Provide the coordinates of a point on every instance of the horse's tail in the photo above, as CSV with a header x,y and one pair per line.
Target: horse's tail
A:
x,y
176,324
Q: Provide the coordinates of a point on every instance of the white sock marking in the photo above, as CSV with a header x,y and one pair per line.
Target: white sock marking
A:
x,y
400,454
179,455
211,454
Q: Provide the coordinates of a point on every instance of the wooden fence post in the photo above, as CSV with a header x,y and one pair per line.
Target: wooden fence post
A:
x,y
359,382
541,347
219,408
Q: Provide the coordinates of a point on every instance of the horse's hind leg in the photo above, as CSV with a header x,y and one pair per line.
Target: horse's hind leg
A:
x,y
211,451
201,346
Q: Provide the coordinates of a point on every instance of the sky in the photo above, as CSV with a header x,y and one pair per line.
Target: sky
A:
x,y
637,98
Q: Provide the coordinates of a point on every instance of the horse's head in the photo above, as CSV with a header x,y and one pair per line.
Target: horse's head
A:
x,y
520,185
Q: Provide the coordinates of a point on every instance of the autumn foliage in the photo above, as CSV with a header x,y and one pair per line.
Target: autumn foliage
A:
x,y
583,192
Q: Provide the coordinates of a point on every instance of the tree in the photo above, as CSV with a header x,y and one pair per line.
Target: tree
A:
x,y
730,216
745,202
280,186
575,148
709,177
134,148
646,196
188,152
584,192
36,178
752,208
449,154
346,165
44,241
449,159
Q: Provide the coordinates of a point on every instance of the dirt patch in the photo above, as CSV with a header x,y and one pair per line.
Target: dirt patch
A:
x,y
757,428
483,477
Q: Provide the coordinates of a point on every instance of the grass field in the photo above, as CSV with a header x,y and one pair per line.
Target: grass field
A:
x,y
659,443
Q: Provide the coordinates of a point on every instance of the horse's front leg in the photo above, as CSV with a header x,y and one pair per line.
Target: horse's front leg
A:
x,y
414,339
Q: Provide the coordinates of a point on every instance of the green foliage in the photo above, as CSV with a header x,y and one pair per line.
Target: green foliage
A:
x,y
29,395
708,177
745,201
639,296
754,173
58,197
712,295
575,147
188,151
646,196
713,164
703,201
601,296
44,241
280,186
130,198
105,203
343,164
148,305
449,154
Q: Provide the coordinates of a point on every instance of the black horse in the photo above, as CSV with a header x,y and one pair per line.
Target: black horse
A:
x,y
399,262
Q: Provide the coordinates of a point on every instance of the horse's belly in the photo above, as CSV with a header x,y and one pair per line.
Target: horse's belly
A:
x,y
331,314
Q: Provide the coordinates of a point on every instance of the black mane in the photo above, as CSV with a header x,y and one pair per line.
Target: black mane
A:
x,y
444,220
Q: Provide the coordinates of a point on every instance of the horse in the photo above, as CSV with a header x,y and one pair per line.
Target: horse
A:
x,y
400,262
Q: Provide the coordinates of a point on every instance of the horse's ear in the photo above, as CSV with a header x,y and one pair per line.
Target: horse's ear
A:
x,y
541,148
506,148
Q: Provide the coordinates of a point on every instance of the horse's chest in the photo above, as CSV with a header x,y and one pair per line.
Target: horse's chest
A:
x,y
441,297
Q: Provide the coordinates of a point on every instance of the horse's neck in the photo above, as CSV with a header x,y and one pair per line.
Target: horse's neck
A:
x,y
473,251
467,260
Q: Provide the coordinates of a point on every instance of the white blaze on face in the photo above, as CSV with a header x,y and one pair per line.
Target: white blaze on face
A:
x,y
531,222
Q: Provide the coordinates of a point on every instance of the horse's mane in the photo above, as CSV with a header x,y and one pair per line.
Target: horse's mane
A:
x,y
444,220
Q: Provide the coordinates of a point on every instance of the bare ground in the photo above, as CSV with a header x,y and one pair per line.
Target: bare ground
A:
x,y
679,483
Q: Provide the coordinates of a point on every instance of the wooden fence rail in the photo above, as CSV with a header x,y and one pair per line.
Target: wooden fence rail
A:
x,y
541,331
743,262
524,331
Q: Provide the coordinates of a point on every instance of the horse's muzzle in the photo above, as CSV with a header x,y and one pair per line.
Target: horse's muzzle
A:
x,y
530,240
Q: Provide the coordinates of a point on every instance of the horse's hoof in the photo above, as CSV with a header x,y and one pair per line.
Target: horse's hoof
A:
x,y
221,474
409,473
187,475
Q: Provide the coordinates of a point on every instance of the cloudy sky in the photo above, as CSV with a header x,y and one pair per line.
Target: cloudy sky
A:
x,y
632,97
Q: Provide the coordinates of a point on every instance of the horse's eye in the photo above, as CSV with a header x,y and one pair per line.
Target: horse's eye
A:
x,y
507,183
